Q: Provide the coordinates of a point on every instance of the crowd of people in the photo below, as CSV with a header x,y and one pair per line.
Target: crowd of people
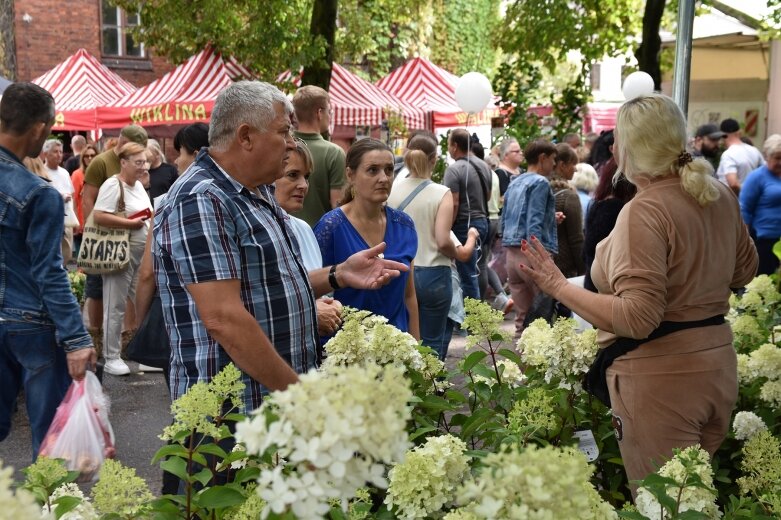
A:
x,y
250,246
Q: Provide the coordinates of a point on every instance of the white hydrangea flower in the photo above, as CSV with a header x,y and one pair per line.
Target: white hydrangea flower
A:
x,y
17,503
536,483
84,511
367,338
747,424
691,498
560,350
744,373
771,393
763,286
337,430
427,479
510,373
765,362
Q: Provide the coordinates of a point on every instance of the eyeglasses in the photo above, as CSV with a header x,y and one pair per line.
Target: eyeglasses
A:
x,y
89,156
141,162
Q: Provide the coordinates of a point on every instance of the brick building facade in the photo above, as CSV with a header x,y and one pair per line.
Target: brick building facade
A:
x,y
36,35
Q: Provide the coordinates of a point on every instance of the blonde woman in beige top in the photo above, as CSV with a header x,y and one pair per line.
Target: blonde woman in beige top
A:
x,y
666,269
432,212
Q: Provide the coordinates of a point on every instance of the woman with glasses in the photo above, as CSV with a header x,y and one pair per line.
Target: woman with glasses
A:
x,y
77,178
119,286
362,221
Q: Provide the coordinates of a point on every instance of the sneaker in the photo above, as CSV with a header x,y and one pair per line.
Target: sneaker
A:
x,y
146,368
116,367
503,303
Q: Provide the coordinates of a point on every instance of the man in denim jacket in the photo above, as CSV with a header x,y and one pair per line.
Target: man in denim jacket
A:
x,y
43,343
529,210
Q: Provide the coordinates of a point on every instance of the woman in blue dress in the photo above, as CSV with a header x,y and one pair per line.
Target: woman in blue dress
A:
x,y
363,220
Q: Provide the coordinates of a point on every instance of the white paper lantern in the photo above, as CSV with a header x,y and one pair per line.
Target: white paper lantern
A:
x,y
638,84
473,92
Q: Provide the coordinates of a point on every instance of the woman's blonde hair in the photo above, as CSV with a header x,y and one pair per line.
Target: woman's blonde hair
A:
x,y
303,151
35,165
131,149
421,150
651,141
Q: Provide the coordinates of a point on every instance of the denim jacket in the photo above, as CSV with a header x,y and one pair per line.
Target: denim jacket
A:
x,y
529,209
34,287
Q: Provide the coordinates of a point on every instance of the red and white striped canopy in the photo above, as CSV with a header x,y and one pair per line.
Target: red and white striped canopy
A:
x,y
357,102
79,86
432,88
183,96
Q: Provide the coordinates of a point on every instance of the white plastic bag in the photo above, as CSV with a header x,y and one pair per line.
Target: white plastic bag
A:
x,y
80,432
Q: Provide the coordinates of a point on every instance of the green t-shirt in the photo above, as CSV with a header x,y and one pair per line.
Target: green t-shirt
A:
x,y
328,174
102,167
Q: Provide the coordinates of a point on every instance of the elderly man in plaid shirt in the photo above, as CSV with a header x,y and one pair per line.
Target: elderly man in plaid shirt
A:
x,y
231,280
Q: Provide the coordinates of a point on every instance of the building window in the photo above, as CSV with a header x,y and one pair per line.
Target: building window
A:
x,y
116,37
596,76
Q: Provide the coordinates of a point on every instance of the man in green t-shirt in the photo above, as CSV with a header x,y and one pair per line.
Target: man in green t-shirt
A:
x,y
103,166
313,111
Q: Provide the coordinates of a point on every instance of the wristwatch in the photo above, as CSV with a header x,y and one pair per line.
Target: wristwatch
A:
x,y
332,278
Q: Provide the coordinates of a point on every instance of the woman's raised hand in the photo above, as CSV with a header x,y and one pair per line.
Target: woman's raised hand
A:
x,y
541,267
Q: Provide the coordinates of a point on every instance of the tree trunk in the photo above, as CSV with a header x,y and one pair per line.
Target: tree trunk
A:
x,y
323,26
648,52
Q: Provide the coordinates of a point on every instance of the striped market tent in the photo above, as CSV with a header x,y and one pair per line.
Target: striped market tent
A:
x,y
79,86
432,88
183,96
356,102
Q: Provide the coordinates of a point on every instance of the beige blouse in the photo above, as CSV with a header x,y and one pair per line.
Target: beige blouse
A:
x,y
670,259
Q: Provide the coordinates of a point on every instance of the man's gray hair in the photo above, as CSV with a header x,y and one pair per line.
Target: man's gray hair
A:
x,y
250,102
51,143
504,146
78,140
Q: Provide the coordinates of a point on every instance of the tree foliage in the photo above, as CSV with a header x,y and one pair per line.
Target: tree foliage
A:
x,y
269,36
463,36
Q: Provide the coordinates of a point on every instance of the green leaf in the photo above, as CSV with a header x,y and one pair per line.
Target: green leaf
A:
x,y
246,474
203,476
65,504
176,466
421,431
219,497
777,249
170,450
473,359
512,356
435,402
211,449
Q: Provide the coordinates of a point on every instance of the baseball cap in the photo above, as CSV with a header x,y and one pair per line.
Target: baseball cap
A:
x,y
709,130
730,126
135,133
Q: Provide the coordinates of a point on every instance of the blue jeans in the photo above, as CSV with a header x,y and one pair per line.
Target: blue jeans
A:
x,y
468,270
434,290
30,356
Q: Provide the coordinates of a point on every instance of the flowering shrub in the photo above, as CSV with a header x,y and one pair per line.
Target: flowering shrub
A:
x,y
562,352
428,477
686,484
385,431
336,432
78,281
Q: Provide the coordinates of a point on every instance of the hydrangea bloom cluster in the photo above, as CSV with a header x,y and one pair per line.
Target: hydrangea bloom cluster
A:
x,y
686,463
18,503
84,511
535,483
337,430
534,413
510,372
482,323
367,338
761,466
745,327
764,362
196,410
120,491
427,479
747,424
560,350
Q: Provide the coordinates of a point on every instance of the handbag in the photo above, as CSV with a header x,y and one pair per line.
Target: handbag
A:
x,y
150,345
104,249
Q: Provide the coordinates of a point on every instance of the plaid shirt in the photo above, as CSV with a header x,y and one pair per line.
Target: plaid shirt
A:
x,y
209,228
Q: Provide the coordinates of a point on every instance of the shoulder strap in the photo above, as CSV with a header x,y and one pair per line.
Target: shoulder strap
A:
x,y
121,200
413,194
479,176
